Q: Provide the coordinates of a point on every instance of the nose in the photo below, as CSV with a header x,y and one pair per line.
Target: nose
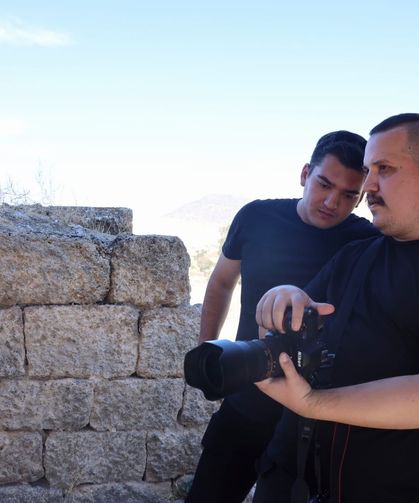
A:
x,y
371,182
332,200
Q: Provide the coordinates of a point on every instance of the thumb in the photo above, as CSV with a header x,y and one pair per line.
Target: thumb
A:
x,y
287,365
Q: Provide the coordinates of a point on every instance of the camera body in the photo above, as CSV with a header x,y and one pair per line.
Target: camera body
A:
x,y
222,367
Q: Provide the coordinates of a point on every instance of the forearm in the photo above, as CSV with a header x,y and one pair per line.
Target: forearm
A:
x,y
214,311
391,403
217,298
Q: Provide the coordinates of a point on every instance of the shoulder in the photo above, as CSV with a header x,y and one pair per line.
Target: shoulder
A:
x,y
352,251
360,226
260,206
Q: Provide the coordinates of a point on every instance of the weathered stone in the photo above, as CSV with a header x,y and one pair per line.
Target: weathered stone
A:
x,y
20,457
150,271
88,457
166,334
81,341
71,221
182,486
42,269
12,349
101,219
61,405
172,453
24,493
196,409
136,404
132,492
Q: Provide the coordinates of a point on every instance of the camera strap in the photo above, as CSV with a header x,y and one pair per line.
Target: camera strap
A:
x,y
300,489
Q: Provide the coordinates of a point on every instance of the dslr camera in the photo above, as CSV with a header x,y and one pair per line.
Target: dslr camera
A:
x,y
222,367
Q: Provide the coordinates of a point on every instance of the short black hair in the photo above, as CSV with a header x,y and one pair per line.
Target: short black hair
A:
x,y
410,121
395,121
347,147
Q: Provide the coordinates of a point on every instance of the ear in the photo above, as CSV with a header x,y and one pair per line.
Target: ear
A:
x,y
304,174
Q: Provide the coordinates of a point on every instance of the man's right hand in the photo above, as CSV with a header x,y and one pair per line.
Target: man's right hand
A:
x,y
271,307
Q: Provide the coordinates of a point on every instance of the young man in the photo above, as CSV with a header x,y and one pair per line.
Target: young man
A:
x,y
367,429
271,242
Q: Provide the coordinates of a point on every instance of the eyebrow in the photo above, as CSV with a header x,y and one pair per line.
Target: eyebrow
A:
x,y
382,161
326,180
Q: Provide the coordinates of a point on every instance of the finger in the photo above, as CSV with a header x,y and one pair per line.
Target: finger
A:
x,y
323,308
259,309
277,313
270,308
263,312
287,366
299,302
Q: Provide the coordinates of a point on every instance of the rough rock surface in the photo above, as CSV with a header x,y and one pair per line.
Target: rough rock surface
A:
x,y
81,341
172,453
51,269
166,334
45,405
12,348
136,404
21,457
140,492
88,457
150,271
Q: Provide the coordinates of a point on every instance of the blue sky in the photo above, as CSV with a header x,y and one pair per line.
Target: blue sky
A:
x,y
151,104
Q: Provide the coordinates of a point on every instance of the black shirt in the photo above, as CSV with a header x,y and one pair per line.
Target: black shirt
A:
x,y
276,247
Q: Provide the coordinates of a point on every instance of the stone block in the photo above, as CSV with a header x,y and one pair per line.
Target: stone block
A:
x,y
101,219
39,405
42,269
196,409
25,493
166,334
133,492
12,349
88,457
20,457
136,404
172,453
81,341
150,271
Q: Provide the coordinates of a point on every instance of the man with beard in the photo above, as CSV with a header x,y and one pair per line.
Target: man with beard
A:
x,y
366,436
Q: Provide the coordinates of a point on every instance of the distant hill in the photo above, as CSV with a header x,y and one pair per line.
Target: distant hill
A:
x,y
200,223
214,209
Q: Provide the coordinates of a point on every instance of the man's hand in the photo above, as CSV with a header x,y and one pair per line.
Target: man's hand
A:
x,y
271,307
391,403
292,390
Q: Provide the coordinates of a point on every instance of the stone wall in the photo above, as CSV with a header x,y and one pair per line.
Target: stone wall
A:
x,y
93,331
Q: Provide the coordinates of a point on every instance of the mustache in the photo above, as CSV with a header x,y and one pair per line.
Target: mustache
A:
x,y
374,199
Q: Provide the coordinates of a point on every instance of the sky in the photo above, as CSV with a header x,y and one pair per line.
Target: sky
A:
x,y
153,104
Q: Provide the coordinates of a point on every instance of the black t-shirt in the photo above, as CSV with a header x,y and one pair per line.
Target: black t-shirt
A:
x,y
381,340
276,247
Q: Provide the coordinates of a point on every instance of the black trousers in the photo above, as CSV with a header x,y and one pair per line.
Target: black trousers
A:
x,y
231,446
274,484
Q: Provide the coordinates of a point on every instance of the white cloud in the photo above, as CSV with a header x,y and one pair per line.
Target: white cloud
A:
x,y
14,32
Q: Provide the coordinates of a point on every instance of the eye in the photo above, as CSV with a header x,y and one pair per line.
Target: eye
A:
x,y
382,168
351,196
322,184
